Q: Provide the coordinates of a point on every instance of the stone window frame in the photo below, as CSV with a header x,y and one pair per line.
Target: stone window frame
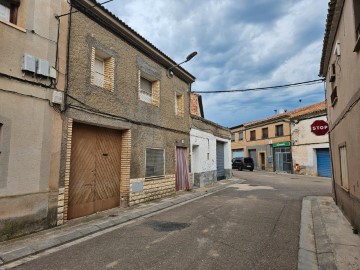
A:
x,y
109,69
154,99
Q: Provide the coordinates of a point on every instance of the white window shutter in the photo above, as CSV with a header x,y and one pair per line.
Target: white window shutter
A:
x,y
99,72
4,13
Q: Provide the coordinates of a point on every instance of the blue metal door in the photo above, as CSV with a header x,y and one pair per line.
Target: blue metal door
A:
x,y
323,162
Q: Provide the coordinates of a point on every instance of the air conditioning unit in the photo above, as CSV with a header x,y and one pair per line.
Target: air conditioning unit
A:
x,y
42,67
28,63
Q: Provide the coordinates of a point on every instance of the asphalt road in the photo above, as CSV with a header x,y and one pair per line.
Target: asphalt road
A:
x,y
254,225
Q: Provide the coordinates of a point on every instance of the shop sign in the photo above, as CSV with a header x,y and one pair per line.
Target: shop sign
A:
x,y
319,127
281,144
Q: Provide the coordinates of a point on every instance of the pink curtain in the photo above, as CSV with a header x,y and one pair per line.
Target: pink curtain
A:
x,y
182,175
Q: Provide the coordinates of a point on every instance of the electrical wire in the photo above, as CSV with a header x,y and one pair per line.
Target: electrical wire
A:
x,y
263,88
72,12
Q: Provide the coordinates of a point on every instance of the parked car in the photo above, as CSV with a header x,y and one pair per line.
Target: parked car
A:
x,y
241,163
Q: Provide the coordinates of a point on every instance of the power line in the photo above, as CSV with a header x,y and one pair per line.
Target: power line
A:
x,y
263,88
98,4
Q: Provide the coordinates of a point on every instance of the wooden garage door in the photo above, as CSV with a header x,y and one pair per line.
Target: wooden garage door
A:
x,y
95,170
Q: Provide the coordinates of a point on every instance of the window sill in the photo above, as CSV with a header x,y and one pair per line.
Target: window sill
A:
x,y
151,178
13,26
357,45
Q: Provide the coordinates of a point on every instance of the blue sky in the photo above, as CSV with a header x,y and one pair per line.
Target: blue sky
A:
x,y
240,44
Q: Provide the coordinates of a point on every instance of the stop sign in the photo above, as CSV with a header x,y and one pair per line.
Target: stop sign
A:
x,y
319,127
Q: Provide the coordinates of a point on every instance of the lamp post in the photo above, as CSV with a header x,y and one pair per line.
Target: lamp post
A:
x,y
170,74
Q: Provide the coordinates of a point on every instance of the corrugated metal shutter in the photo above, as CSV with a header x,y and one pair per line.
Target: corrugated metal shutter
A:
x,y
238,153
323,162
220,167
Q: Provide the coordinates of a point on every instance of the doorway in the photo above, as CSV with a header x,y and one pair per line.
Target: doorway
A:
x,y
262,160
181,174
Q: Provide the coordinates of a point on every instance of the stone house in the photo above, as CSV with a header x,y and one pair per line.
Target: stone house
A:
x,y
340,63
210,147
310,150
126,126
32,80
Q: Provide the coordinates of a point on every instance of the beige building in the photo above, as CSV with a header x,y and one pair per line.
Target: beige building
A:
x,y
32,80
310,141
267,141
126,126
340,64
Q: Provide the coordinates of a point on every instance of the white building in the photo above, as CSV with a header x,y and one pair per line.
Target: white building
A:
x,y
310,141
210,152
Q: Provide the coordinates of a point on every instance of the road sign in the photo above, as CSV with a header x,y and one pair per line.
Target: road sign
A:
x,y
319,127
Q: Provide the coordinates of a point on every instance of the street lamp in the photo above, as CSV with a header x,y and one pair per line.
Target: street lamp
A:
x,y
170,74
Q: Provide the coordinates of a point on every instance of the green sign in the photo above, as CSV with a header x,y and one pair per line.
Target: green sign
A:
x,y
281,144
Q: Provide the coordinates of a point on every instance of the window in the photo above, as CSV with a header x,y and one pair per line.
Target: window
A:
x,y
265,133
102,70
241,135
179,104
279,130
9,10
344,167
233,137
252,135
334,96
155,163
149,90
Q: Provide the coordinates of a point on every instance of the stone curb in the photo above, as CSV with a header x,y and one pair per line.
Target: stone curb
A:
x,y
92,227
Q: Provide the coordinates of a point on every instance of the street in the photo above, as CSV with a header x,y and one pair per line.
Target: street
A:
x,y
253,225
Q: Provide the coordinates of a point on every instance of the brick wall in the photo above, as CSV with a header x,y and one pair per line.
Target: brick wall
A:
x,y
152,189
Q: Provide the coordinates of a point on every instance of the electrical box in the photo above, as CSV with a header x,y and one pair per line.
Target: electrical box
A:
x,y
57,97
52,73
28,63
42,67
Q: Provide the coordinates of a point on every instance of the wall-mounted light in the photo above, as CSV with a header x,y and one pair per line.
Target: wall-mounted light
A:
x,y
170,74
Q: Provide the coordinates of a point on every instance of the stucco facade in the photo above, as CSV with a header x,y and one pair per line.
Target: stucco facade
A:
x,y
162,123
206,138
305,144
30,124
340,67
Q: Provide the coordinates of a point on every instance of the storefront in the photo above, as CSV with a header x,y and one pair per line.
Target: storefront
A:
x,y
282,157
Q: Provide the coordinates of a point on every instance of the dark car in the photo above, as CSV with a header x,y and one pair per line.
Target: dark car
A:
x,y
241,163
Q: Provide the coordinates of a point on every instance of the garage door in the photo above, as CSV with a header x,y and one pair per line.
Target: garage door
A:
x,y
220,163
323,162
95,170
238,153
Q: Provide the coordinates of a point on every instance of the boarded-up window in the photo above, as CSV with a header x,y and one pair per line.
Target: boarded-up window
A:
x,y
155,163
344,168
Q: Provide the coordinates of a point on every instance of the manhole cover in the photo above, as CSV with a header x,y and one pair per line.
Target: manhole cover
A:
x,y
166,226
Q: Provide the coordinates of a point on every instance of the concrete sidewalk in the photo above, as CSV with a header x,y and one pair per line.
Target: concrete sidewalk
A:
x,y
16,249
326,237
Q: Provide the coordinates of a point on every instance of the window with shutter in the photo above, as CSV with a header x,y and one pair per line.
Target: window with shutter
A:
x,y
9,10
145,90
155,163
102,70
